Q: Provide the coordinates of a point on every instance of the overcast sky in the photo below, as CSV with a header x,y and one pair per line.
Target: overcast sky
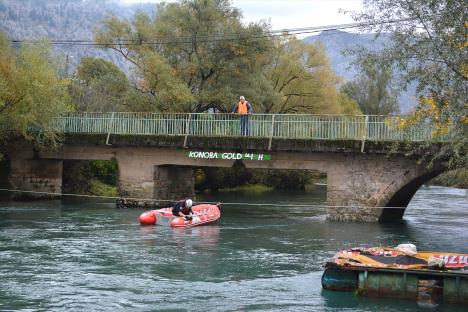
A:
x,y
284,14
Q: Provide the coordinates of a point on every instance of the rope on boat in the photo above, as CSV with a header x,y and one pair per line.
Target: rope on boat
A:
x,y
201,202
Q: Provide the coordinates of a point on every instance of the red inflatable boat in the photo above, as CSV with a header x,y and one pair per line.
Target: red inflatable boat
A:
x,y
202,214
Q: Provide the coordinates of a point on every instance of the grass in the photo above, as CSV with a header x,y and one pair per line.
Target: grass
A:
x,y
101,189
253,188
260,188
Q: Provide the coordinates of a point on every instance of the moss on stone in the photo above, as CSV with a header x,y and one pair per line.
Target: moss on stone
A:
x,y
243,143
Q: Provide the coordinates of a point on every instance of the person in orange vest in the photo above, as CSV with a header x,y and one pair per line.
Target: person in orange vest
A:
x,y
243,108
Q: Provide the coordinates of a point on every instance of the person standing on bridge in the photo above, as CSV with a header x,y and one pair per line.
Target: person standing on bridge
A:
x,y
243,108
183,208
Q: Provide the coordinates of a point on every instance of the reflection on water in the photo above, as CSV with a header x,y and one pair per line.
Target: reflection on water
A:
x,y
57,256
205,237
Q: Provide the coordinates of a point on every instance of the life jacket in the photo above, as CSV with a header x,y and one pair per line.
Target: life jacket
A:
x,y
243,108
181,206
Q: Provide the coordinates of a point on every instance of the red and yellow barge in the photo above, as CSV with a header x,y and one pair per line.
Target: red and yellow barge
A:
x,y
426,276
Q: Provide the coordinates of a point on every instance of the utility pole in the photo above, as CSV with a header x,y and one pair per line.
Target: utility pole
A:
x,y
67,58
66,66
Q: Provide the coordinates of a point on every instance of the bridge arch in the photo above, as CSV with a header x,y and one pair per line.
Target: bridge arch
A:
x,y
403,196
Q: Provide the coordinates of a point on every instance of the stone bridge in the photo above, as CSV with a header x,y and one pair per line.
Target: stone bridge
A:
x,y
367,176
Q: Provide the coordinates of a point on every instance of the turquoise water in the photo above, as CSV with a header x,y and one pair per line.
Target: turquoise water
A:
x,y
89,256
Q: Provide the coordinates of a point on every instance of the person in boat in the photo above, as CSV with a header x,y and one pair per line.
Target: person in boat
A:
x,y
243,108
183,208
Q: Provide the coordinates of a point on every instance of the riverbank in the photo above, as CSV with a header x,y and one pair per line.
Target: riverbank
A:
x,y
261,188
455,178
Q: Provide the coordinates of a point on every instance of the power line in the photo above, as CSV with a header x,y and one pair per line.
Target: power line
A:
x,y
321,206
202,202
162,40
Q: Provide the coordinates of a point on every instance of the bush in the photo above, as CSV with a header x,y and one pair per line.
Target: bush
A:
x,y
284,179
219,178
99,188
455,178
89,176
227,178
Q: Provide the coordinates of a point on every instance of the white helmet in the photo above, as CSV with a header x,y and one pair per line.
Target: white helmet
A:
x,y
188,203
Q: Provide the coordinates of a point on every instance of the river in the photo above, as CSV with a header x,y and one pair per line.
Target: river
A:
x,y
90,256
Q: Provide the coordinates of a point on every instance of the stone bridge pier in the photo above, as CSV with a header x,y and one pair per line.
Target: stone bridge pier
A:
x,y
136,176
173,182
29,172
43,177
142,177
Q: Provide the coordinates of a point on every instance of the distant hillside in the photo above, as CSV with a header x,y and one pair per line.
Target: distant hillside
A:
x,y
64,19
336,42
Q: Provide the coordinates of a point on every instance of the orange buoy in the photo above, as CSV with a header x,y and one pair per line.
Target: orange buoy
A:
x,y
147,218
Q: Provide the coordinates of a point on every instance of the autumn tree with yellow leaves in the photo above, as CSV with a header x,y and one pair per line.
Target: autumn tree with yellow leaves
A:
x,y
31,92
430,48
299,79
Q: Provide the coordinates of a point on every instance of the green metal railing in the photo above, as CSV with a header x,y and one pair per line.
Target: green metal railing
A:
x,y
292,126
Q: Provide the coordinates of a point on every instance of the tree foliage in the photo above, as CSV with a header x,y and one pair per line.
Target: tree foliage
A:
x,y
194,55
300,80
91,69
349,106
430,48
374,89
99,86
31,93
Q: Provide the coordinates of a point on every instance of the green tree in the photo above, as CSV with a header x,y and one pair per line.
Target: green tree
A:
x,y
348,105
430,48
99,86
300,80
374,89
91,68
31,93
192,55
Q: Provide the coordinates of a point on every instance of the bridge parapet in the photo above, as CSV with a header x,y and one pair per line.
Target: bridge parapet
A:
x,y
269,126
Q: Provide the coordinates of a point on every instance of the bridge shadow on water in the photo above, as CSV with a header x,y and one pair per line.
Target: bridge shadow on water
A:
x,y
4,172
